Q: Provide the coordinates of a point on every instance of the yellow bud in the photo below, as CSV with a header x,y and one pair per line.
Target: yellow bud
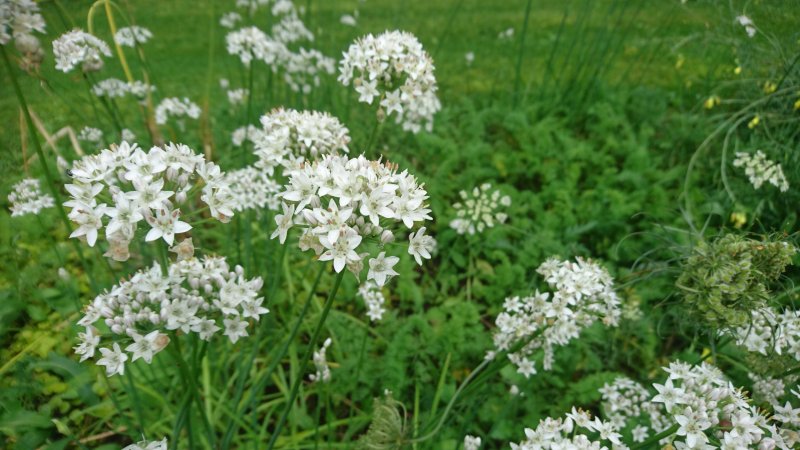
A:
x,y
737,70
679,62
770,87
797,104
711,102
754,122
738,219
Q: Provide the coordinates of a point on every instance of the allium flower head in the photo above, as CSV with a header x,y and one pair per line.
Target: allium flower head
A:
x,y
760,169
195,296
323,373
230,19
770,332
584,293
252,188
19,19
373,298
343,204
131,36
111,87
290,29
26,197
91,135
78,47
148,445
250,44
394,70
173,107
141,186
302,69
288,138
479,209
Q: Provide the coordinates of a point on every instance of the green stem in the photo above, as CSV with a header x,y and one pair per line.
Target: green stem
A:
x,y
654,439
304,365
518,74
48,176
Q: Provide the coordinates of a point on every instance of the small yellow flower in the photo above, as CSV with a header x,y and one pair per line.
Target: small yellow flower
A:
x,y
679,62
738,219
754,122
737,70
797,104
770,87
711,102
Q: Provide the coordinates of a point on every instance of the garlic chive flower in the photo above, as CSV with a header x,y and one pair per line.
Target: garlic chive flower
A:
x,y
394,71
343,204
195,296
230,19
288,138
760,169
373,298
148,445
624,399
323,373
250,43
771,332
131,36
19,19
247,133
252,188
91,135
129,186
584,293
26,197
472,443
479,209
173,107
80,48
576,430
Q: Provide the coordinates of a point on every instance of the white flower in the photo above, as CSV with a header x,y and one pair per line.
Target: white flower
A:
x,y
380,268
373,299
760,169
348,20
19,19
472,442
323,372
114,360
393,63
479,210
78,47
420,245
250,44
131,36
235,328
230,19
176,107
148,445
284,222
166,224
146,346
252,188
26,197
748,25
90,134
341,250
668,395
89,340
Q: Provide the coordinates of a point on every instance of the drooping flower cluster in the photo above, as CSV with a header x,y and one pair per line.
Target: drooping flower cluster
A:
x,y
394,68
77,47
19,19
148,445
771,332
576,430
479,209
760,169
373,299
26,197
132,36
128,185
343,203
288,138
194,296
252,188
323,373
173,107
583,294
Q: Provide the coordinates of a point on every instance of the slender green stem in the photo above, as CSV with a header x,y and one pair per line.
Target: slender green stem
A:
x,y
304,364
48,176
518,71
654,439
137,406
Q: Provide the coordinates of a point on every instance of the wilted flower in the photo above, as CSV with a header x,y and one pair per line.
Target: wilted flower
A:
x,y
394,68
194,296
26,197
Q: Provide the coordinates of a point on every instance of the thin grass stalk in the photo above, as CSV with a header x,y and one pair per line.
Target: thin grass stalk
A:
x,y
304,364
48,176
518,69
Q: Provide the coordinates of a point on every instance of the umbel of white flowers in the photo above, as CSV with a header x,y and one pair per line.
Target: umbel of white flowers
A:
x,y
342,203
480,209
78,47
584,293
760,169
394,68
26,197
196,296
127,185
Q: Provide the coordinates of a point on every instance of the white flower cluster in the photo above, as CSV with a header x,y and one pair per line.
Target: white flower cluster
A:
x,y
771,332
288,138
472,442
195,296
26,197
768,389
571,432
702,403
148,445
747,23
480,210
128,135
18,20
230,19
583,294
323,373
250,43
114,88
251,5
78,47
625,399
247,133
176,107
238,96
91,134
302,69
373,298
340,201
760,169
395,68
291,29
252,188
132,36
139,185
